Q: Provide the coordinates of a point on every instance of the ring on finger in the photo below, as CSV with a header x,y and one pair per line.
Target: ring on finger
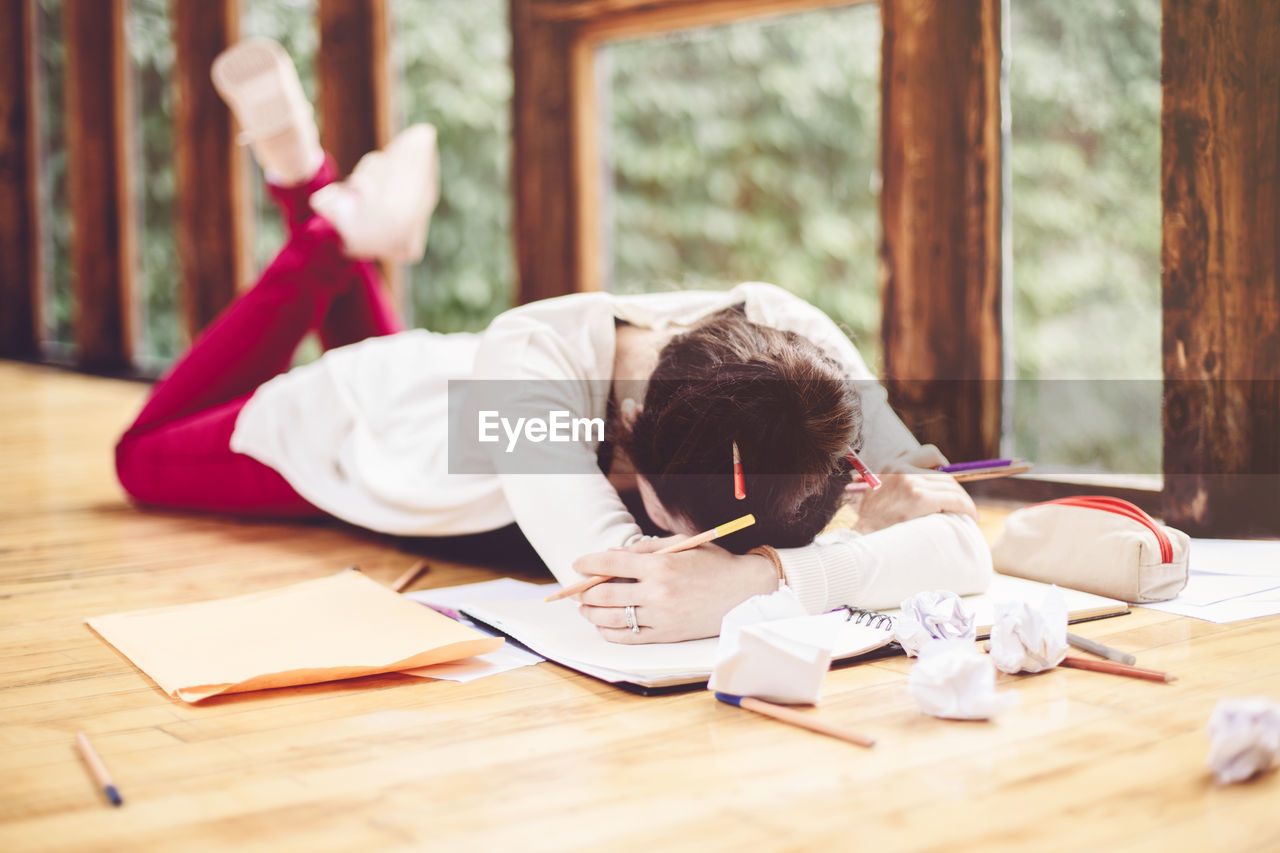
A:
x,y
631,619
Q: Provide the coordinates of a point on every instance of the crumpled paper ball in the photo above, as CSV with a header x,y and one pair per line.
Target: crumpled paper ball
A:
x,y
933,615
955,681
1029,639
770,648
1246,738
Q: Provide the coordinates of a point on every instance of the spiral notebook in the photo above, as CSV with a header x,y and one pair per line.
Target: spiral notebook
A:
x,y
556,631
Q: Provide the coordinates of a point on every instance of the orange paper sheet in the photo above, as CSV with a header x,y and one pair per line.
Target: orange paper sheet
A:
x,y
342,626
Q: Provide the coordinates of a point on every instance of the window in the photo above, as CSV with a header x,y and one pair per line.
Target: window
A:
x,y
55,204
1084,87
455,68
292,23
159,334
747,152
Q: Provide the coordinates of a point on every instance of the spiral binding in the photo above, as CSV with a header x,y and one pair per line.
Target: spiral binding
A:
x,y
870,618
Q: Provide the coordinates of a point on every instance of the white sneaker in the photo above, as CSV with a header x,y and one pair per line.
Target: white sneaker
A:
x,y
259,83
383,209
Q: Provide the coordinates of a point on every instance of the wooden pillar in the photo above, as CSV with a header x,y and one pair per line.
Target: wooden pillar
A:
x,y
941,209
543,167
353,67
100,177
212,227
353,64
1220,175
19,182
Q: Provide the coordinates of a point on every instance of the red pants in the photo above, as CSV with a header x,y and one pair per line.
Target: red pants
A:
x,y
177,453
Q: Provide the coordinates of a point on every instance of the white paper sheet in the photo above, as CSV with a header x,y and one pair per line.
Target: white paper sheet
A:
x,y
1027,638
1230,580
555,629
1246,738
505,659
771,649
1080,605
955,681
933,615
1240,557
447,599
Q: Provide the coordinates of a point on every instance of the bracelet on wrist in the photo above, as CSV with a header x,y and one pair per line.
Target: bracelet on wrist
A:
x,y
771,555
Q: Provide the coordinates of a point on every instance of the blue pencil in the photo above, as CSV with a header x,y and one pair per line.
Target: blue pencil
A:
x,y
98,769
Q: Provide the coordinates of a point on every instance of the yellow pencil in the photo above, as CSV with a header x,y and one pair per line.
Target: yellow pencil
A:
x,y
685,545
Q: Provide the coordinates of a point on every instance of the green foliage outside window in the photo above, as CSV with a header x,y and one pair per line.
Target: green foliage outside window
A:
x,y
1084,87
748,152
151,48
293,24
456,73
56,228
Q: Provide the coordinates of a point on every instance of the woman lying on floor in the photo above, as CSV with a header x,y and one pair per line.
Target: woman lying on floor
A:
x,y
375,433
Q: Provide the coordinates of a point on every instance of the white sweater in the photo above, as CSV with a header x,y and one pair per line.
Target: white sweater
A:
x,y
364,434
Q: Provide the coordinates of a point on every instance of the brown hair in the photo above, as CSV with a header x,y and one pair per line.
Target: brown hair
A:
x,y
780,398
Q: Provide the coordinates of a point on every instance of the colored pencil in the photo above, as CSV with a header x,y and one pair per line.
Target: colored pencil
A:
x,y
402,582
739,483
795,718
986,469
99,770
1117,669
1101,650
684,545
863,471
980,463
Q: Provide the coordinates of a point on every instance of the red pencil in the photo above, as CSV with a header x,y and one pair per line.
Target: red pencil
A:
x,y
1117,669
739,483
867,476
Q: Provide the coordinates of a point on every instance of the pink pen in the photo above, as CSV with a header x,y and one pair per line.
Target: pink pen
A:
x,y
868,477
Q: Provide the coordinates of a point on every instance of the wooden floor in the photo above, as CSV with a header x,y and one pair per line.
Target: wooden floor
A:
x,y
537,759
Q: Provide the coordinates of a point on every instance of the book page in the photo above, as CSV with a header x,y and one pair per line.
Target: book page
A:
x,y
556,630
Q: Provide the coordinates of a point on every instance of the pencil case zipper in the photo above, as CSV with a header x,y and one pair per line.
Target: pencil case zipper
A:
x,y
1119,506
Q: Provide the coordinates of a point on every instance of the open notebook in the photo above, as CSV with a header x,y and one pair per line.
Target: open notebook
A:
x,y
556,631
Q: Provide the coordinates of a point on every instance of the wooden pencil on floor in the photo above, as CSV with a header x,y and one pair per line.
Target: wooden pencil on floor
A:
x,y
401,583
99,770
784,714
1117,669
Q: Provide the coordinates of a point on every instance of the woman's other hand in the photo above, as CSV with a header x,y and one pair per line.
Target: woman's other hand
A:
x,y
680,596
911,489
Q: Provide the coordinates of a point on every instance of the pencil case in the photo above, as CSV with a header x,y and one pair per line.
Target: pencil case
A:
x,y
1097,544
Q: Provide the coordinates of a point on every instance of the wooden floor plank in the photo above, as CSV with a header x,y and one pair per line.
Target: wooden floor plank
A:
x,y
539,758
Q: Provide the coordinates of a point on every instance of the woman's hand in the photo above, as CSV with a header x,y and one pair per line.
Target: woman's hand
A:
x,y
910,490
677,597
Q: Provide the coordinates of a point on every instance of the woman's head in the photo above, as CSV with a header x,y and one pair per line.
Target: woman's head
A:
x,y
779,397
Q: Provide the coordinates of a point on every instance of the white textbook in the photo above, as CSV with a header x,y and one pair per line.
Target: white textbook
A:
x,y
556,631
